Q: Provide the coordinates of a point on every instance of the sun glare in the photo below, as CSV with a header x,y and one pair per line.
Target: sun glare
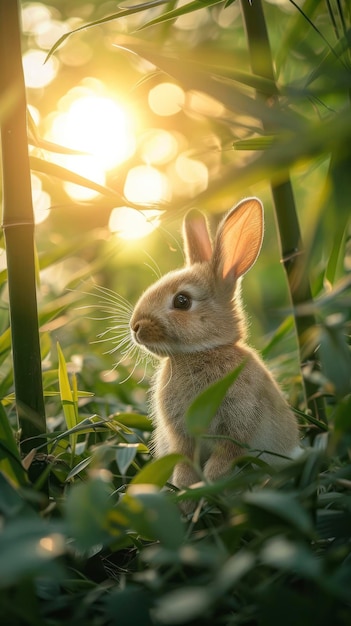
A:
x,y
100,127
132,224
146,185
38,73
97,126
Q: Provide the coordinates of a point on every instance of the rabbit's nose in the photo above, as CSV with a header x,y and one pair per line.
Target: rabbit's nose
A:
x,y
135,327
147,330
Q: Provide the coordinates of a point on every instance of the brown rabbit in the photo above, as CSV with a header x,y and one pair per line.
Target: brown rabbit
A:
x,y
192,320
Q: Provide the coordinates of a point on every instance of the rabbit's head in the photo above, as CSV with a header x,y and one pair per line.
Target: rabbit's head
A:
x,y
198,308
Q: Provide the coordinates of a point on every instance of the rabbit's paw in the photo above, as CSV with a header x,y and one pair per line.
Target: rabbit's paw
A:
x,y
184,475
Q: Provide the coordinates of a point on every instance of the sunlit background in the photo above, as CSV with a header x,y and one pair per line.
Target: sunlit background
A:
x,y
112,117
129,140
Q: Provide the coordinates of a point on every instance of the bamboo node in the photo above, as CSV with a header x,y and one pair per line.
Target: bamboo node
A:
x,y
16,223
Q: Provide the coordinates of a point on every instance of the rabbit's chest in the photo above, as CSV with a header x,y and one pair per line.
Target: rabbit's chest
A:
x,y
172,396
176,388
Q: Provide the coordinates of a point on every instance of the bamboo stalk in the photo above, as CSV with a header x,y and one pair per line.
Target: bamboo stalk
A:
x,y
18,225
292,251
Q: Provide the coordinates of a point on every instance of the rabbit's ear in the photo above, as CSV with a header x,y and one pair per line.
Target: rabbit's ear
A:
x,y
239,239
197,241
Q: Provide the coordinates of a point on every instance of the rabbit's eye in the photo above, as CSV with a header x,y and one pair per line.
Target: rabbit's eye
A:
x,y
182,301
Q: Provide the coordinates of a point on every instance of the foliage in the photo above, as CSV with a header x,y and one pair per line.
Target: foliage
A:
x,y
92,530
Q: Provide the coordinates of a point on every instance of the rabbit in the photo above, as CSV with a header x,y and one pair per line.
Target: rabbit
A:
x,y
192,320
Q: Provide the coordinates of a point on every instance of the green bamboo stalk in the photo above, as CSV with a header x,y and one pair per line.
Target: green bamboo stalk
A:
x,y
292,251
18,226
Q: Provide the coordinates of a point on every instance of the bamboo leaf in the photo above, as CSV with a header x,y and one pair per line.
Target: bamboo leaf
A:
x,y
284,506
68,397
202,410
104,20
191,7
134,420
5,344
52,169
153,516
10,460
125,455
192,75
256,143
291,556
336,355
157,472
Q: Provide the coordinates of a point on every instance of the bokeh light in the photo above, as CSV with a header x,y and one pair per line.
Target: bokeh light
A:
x,y
158,147
41,200
37,73
192,174
132,224
96,125
146,185
166,99
95,121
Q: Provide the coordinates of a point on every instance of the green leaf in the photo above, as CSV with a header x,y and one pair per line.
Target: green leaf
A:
x,y
283,506
202,410
157,472
193,75
233,570
342,421
5,344
134,420
191,7
28,546
10,460
79,468
125,455
52,169
291,556
130,605
335,355
11,502
87,508
285,328
256,143
68,396
184,605
154,516
104,20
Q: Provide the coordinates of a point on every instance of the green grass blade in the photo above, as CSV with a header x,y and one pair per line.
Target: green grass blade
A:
x,y
68,396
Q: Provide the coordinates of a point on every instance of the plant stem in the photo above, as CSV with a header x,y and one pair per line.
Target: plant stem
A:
x,y
288,227
18,225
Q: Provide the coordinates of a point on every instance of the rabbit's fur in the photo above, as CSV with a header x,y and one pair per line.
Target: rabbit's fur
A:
x,y
192,320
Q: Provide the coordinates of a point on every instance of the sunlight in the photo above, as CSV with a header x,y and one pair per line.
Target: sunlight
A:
x,y
97,126
132,224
